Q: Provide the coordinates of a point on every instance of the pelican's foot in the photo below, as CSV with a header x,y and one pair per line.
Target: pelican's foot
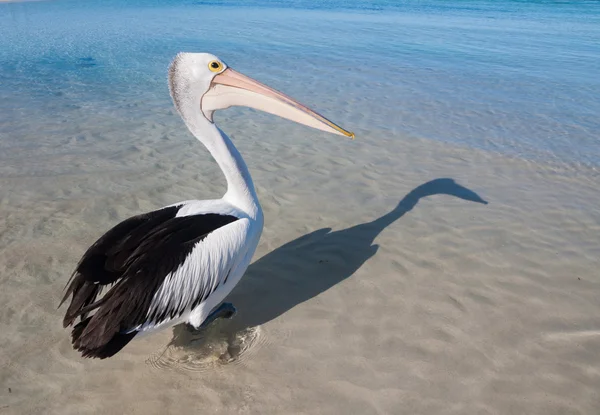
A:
x,y
191,329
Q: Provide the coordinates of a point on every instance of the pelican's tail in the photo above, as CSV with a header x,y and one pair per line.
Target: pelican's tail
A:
x,y
108,349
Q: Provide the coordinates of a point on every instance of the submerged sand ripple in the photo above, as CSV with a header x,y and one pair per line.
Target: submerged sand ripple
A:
x,y
373,290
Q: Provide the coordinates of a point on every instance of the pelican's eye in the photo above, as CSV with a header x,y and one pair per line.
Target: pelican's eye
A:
x,y
215,66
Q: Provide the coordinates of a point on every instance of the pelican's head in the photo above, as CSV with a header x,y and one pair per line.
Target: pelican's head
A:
x,y
202,82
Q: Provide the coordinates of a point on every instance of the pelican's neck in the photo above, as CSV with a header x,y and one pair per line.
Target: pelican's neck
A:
x,y
240,188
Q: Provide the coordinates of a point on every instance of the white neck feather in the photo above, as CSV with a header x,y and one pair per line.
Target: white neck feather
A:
x,y
240,188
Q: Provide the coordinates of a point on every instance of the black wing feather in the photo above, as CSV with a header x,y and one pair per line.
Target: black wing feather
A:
x,y
136,256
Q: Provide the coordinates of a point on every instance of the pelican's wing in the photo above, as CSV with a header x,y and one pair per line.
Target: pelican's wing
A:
x,y
98,267
160,265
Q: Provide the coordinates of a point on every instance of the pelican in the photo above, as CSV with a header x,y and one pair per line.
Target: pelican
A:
x,y
177,264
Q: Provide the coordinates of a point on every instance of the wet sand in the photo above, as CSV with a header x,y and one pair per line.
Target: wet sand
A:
x,y
395,275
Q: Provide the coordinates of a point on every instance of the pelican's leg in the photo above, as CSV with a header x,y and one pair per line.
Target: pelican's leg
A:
x,y
225,310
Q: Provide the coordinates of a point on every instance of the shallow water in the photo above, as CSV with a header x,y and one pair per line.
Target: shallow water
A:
x,y
514,77
444,262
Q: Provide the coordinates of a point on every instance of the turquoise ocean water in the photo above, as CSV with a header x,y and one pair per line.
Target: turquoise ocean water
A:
x,y
520,78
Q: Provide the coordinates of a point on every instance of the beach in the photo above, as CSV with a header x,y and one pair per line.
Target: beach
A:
x,y
443,262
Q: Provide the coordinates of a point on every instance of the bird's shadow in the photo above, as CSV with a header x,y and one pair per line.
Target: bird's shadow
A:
x,y
311,264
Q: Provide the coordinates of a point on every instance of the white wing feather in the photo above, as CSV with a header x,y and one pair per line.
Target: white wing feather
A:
x,y
203,272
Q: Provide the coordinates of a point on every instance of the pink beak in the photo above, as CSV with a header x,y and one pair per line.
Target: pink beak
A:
x,y
231,88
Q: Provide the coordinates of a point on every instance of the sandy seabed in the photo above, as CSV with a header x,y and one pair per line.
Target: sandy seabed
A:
x,y
395,275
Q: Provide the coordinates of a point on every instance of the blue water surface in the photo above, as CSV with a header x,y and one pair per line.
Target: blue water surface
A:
x,y
520,78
